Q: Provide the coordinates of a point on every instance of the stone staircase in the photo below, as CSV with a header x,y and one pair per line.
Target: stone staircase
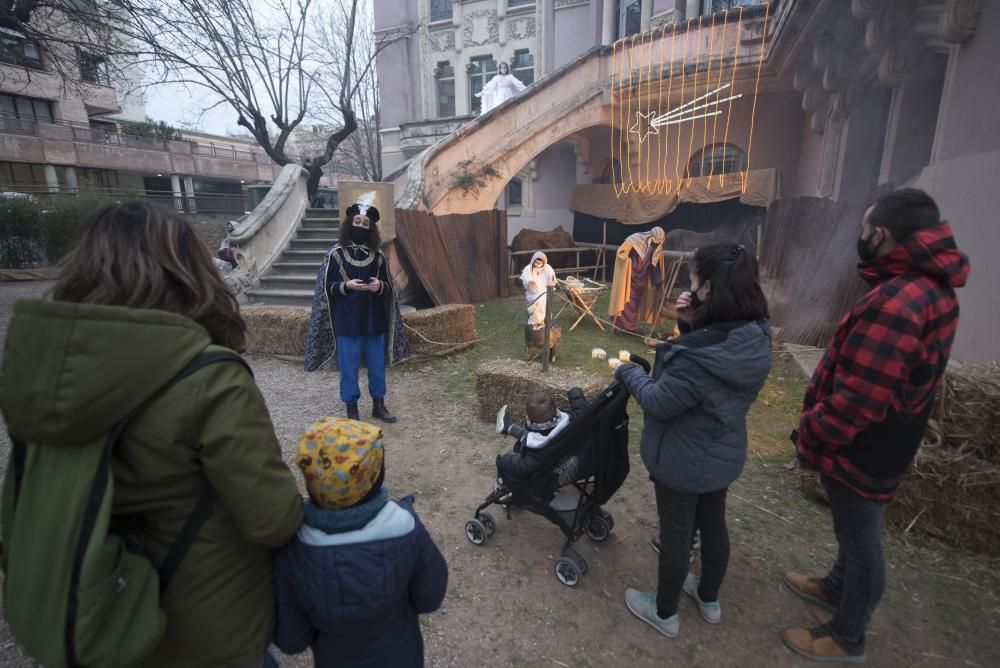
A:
x,y
290,281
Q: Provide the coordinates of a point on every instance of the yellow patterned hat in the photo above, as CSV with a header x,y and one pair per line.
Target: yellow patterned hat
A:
x,y
341,461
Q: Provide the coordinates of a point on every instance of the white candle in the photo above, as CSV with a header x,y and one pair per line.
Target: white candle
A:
x,y
598,353
624,355
613,363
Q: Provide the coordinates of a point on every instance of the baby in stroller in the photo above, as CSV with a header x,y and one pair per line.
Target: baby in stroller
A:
x,y
544,422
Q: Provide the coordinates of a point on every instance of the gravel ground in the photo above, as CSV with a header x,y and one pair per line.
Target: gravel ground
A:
x,y
505,607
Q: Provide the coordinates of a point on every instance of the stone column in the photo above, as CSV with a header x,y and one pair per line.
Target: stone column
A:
x,y
189,193
71,182
608,25
175,185
693,10
645,14
51,178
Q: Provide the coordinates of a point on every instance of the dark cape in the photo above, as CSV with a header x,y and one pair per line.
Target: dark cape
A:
x,y
321,342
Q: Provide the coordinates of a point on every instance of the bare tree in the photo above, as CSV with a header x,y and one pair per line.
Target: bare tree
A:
x,y
361,154
256,56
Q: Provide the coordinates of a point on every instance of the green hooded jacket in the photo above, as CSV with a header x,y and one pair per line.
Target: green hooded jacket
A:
x,y
71,371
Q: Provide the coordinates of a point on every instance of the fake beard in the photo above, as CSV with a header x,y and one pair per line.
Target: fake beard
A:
x,y
360,235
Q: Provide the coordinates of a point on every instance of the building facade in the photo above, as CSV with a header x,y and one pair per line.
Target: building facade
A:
x,y
75,126
840,100
429,82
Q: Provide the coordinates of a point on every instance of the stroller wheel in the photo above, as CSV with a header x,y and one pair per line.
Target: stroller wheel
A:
x,y
607,516
476,532
567,572
488,523
598,529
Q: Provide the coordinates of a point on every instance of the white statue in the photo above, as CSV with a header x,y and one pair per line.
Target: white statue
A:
x,y
500,88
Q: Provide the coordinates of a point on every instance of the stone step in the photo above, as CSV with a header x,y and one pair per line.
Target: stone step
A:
x,y
320,224
310,256
317,233
322,213
282,297
288,281
314,244
295,267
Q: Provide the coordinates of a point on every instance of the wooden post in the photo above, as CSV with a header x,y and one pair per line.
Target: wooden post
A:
x,y
604,256
545,334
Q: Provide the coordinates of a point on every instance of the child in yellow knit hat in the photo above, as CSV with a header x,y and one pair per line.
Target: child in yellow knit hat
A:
x,y
361,566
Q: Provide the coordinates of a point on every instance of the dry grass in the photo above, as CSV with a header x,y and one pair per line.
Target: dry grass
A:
x,y
435,329
507,381
276,330
952,487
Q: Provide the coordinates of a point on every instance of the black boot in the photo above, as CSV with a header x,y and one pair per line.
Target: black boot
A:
x,y
352,412
380,412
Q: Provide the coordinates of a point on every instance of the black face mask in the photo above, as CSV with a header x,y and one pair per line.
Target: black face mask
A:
x,y
865,251
696,301
360,235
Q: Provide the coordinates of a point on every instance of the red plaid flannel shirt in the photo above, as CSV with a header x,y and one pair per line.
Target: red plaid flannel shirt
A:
x,y
889,353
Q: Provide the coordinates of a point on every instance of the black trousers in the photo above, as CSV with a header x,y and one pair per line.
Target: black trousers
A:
x,y
680,514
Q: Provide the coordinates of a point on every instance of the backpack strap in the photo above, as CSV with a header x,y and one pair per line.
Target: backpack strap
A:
x,y
206,502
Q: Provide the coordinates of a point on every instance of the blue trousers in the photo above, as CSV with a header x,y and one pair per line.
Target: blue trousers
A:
x,y
350,349
857,579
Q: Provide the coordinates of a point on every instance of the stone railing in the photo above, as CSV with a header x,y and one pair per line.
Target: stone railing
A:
x,y
261,235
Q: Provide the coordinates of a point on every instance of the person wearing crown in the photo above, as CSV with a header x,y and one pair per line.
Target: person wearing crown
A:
x,y
355,313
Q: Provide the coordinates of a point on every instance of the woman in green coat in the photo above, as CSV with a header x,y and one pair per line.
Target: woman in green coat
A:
x,y
137,299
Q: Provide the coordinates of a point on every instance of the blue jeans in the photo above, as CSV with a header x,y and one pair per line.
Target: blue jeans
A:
x,y
857,579
349,352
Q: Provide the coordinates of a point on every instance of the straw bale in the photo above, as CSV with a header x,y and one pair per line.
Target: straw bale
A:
x,y
507,381
276,330
435,329
952,487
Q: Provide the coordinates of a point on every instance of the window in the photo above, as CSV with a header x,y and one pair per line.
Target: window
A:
x,y
16,49
524,67
94,67
444,81
481,69
19,114
715,6
717,159
629,17
440,10
515,193
519,3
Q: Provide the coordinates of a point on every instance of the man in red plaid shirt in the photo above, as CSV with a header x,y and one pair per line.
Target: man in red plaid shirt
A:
x,y
868,403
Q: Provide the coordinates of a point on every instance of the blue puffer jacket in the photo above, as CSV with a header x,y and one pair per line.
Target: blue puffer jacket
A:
x,y
354,596
696,401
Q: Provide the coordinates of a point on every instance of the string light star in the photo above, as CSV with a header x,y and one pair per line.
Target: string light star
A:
x,y
644,125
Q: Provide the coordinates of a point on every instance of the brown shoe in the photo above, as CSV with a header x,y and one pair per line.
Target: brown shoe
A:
x,y
810,589
820,644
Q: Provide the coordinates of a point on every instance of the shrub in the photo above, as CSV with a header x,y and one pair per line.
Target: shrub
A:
x,y
61,221
21,233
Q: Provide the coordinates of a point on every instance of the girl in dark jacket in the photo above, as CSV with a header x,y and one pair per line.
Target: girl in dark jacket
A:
x,y
694,440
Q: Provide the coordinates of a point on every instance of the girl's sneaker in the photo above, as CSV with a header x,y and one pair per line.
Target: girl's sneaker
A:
x,y
643,605
711,612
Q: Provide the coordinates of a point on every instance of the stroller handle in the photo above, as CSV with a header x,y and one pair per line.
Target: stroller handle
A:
x,y
635,359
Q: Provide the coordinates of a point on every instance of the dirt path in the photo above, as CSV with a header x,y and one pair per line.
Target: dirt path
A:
x,y
505,607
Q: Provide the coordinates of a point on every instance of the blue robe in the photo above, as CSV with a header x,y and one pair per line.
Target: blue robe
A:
x,y
321,342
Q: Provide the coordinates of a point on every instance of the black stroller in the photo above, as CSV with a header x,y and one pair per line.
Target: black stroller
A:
x,y
591,456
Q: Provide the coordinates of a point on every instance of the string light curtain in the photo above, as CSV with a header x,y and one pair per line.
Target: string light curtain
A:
x,y
674,91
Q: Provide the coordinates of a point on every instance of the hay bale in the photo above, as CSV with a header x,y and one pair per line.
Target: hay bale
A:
x,y
952,488
431,330
507,381
276,330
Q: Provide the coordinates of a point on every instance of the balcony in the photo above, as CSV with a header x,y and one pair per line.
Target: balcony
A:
x,y
415,137
65,143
